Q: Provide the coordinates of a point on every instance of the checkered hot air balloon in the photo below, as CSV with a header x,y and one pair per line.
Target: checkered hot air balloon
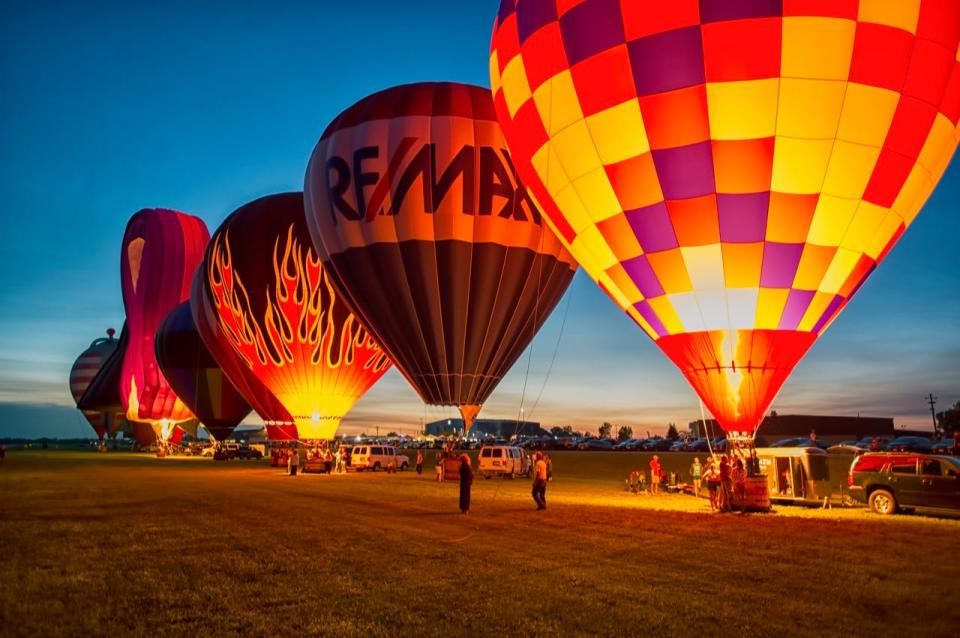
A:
x,y
265,307
729,171
415,208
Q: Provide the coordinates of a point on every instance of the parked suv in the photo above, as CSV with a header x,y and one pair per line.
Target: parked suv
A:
x,y
377,457
888,482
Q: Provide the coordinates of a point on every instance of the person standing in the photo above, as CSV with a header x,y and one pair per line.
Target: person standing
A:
x,y
713,482
466,481
723,495
753,463
539,491
294,461
328,462
419,461
655,474
696,473
739,477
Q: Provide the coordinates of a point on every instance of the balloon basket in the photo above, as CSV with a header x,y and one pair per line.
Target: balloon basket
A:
x,y
756,495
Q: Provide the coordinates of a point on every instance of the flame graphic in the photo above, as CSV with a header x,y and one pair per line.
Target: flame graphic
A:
x,y
305,346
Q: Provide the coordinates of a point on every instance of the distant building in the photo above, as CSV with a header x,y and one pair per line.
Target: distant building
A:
x,y
832,429
501,428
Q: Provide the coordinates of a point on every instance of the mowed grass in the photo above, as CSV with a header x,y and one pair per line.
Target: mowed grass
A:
x,y
118,544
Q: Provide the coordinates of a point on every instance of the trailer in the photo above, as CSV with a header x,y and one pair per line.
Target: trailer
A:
x,y
796,474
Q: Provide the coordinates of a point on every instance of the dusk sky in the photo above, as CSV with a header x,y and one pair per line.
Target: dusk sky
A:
x,y
107,108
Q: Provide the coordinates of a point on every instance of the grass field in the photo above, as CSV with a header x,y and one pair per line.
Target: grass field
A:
x,y
119,544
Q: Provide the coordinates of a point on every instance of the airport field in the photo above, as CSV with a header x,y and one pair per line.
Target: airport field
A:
x,y
118,544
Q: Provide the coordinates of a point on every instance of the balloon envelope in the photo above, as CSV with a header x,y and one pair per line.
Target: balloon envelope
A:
x,y
414,206
194,375
729,172
265,307
84,370
161,250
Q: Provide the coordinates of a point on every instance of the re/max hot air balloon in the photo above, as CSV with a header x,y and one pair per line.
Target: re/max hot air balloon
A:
x,y
84,370
729,171
161,250
194,375
414,205
265,307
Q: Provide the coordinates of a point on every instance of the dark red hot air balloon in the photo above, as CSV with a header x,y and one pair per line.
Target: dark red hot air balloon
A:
x,y
415,208
194,375
161,251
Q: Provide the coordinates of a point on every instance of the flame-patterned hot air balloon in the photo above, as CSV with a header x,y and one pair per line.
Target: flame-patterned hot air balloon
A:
x,y
267,311
414,205
194,375
729,171
161,250
84,370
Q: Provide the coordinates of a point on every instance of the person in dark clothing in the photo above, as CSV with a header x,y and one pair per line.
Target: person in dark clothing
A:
x,y
419,461
540,475
753,463
466,481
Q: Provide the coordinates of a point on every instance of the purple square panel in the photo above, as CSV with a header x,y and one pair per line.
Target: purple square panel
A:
x,y
717,10
652,226
797,302
831,310
779,264
643,276
686,171
743,218
667,61
643,307
591,27
533,15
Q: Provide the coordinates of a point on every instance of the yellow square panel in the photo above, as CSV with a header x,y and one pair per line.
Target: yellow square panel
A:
x,y
557,102
625,284
618,132
592,251
742,110
688,310
830,220
913,194
817,47
770,303
939,147
570,204
704,266
900,14
494,73
867,113
547,164
576,151
810,109
662,307
850,169
838,271
799,166
515,85
863,226
597,195
614,290
885,232
815,310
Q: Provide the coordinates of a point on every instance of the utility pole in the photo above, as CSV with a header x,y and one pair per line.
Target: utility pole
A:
x,y
932,400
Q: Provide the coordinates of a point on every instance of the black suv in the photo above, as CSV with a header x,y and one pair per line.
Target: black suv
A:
x,y
888,481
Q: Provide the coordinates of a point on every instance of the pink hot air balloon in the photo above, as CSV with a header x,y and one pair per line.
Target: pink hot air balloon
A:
x,y
161,251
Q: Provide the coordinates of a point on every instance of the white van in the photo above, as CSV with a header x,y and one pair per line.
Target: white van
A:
x,y
503,460
377,457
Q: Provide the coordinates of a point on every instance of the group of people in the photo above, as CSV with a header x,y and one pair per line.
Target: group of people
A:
x,y
294,458
725,476
542,473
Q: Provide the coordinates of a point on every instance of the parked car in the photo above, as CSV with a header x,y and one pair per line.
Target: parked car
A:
x,y
597,445
891,481
844,448
698,445
503,460
719,444
622,445
867,441
794,442
910,444
943,447
680,445
657,445
240,451
377,457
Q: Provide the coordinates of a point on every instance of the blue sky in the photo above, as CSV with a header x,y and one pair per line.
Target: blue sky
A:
x,y
107,108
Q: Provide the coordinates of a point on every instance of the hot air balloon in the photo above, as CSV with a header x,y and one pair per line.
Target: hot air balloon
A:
x,y
103,390
161,250
414,206
729,171
265,308
84,369
194,375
